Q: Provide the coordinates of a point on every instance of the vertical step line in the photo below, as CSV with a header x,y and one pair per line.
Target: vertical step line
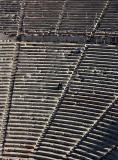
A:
x,y
60,17
20,29
100,18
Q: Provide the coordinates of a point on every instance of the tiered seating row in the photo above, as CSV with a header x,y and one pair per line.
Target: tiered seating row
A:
x,y
6,56
78,16
9,16
81,16
109,22
112,154
101,139
91,92
42,15
43,71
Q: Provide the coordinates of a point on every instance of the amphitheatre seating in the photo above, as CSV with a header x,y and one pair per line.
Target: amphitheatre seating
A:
x,y
112,154
81,16
85,114
77,16
86,110
58,101
41,16
109,22
9,15
6,55
41,67
101,141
